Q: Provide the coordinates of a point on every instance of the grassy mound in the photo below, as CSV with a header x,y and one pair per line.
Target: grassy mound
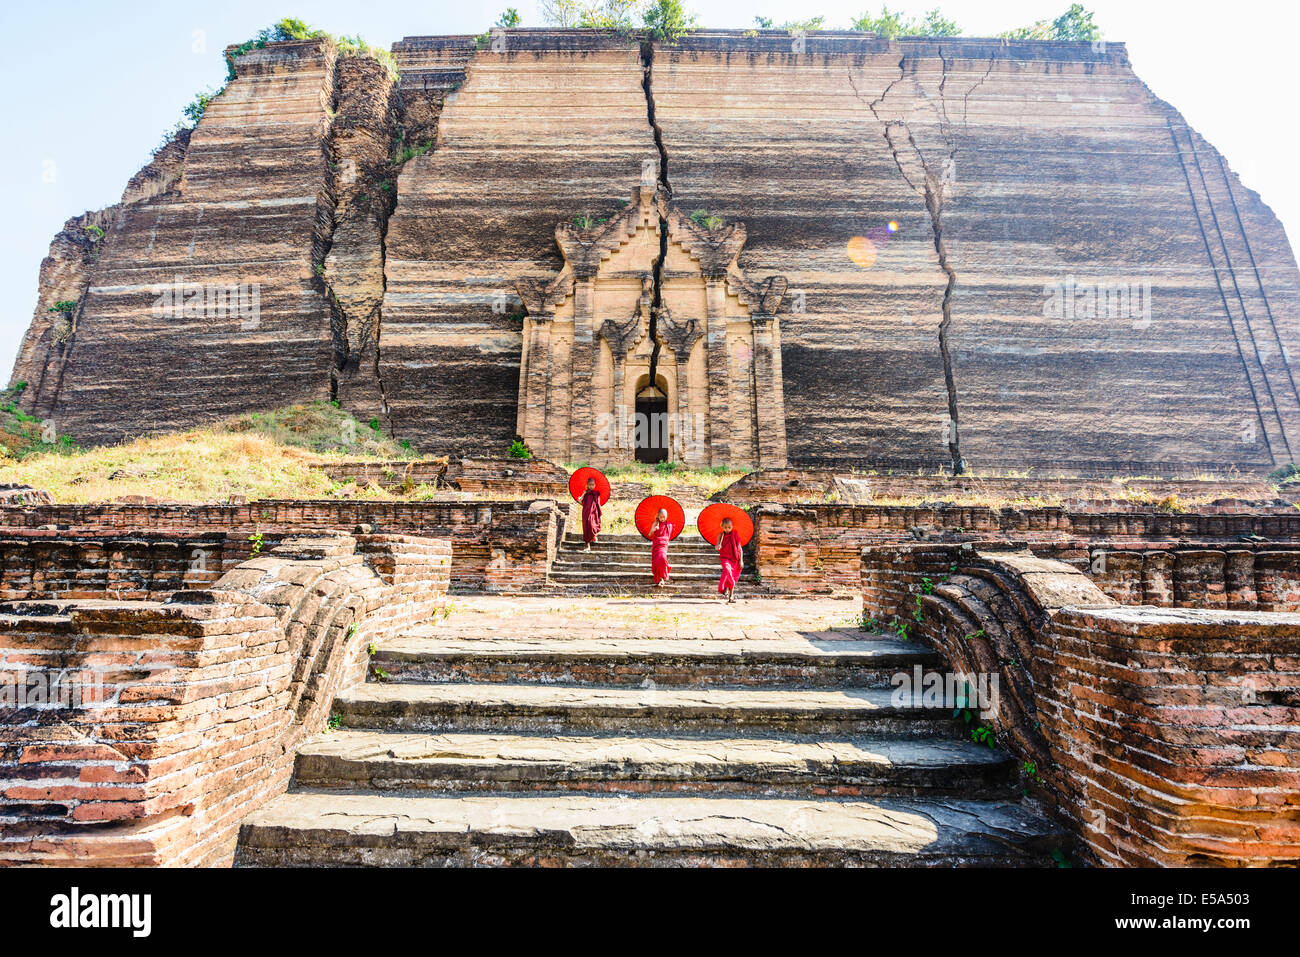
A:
x,y
259,455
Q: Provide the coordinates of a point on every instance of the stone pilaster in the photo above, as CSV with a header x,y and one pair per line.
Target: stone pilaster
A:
x,y
719,376
581,424
769,391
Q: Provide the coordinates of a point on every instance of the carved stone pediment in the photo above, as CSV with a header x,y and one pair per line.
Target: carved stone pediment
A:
x,y
680,335
584,247
715,249
541,296
623,336
763,297
651,274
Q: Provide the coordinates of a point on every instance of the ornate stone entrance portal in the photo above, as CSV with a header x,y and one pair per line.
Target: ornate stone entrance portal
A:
x,y
585,388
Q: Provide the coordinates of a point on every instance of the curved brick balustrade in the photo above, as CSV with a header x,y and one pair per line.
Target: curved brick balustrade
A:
x,y
981,608
204,697
1163,736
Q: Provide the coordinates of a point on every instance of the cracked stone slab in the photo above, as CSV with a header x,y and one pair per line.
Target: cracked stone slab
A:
x,y
346,828
501,706
641,616
825,648
391,760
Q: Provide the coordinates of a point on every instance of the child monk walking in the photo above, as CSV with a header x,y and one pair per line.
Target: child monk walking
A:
x,y
661,533
732,556
590,513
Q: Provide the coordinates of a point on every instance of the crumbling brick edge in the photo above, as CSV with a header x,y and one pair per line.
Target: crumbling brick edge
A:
x,y
202,699
1158,736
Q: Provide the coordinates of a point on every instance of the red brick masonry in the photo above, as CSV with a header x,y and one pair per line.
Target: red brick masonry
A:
x,y
817,548
497,546
1162,736
205,696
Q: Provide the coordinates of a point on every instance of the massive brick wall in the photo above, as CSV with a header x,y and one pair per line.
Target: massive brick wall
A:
x,y
1028,164
1163,737
552,127
1004,168
248,204
197,702
496,546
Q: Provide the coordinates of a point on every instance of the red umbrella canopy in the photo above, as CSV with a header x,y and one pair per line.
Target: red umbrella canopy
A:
x,y
649,508
710,522
578,483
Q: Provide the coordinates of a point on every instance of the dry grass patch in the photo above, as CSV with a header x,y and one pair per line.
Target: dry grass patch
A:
x,y
259,455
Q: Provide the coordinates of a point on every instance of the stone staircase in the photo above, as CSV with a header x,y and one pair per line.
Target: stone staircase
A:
x,y
619,564
531,741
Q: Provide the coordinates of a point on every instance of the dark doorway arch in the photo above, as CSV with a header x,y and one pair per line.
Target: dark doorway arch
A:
x,y
652,423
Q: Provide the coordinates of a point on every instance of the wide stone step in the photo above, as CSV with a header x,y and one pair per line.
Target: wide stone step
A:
x,y
687,537
639,586
631,570
791,765
531,707
639,547
641,562
673,590
638,576
640,558
830,661
330,828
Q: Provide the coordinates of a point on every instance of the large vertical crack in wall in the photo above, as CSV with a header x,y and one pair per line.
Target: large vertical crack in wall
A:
x,y
364,133
666,194
931,187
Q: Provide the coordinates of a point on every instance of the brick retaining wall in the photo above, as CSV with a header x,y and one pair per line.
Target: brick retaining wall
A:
x,y
496,546
817,548
1161,736
204,698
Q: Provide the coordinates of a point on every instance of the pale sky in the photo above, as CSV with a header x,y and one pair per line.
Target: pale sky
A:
x,y
89,87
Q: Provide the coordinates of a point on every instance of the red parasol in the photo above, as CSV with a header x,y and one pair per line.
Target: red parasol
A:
x,y
710,522
649,508
578,483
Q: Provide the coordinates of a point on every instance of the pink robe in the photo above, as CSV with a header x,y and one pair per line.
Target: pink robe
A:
x,y
659,551
733,560
590,515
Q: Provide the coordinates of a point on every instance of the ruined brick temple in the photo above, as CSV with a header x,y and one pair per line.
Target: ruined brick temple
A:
x,y
905,253
788,256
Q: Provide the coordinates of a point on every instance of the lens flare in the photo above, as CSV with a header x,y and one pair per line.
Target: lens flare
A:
x,y
862,252
893,226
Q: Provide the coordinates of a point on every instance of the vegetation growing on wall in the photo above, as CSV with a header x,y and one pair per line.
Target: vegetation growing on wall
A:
x,y
1075,24
663,20
289,28
668,21
898,24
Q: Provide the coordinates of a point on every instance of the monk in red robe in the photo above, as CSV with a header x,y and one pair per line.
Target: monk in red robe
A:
x,y
590,513
731,552
661,533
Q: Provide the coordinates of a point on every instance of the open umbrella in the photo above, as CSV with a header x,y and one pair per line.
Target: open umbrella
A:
x,y
649,508
710,522
578,483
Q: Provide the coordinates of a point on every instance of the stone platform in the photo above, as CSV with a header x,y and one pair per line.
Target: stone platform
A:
x,y
581,731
